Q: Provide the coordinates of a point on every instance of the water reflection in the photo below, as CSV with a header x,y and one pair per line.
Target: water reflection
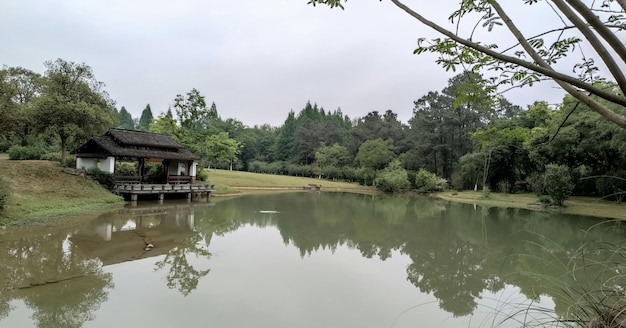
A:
x,y
458,253
45,272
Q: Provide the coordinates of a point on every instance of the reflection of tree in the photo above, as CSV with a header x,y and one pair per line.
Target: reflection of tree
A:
x,y
458,251
44,270
456,281
182,275
69,303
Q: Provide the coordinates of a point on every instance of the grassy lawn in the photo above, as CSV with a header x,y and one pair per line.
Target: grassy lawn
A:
x,y
575,205
40,191
235,182
4,156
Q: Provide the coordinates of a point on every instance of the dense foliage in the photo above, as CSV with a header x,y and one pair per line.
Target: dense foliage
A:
x,y
105,179
454,141
558,183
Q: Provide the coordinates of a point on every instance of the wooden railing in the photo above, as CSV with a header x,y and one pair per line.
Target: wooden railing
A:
x,y
178,179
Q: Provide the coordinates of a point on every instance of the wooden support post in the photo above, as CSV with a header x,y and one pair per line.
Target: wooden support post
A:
x,y
161,197
133,197
189,197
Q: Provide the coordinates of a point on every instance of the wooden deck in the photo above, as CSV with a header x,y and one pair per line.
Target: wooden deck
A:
x,y
133,190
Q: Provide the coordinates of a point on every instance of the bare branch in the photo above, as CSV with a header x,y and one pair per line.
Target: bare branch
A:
x,y
602,29
622,3
593,39
565,81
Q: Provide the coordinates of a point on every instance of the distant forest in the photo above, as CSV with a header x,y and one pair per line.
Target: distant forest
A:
x,y
461,137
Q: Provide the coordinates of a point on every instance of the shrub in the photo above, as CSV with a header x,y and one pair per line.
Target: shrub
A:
x,y
125,168
20,153
535,183
202,175
545,200
393,178
365,176
70,161
503,186
348,173
612,185
521,186
106,180
5,192
558,183
53,156
429,182
153,173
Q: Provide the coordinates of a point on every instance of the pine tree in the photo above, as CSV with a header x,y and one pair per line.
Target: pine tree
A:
x,y
146,119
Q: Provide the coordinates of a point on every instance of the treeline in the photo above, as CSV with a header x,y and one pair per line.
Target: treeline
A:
x,y
461,137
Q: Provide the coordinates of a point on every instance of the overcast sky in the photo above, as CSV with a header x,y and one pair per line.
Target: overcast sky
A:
x,y
256,59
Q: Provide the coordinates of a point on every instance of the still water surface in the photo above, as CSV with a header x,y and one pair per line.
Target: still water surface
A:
x,y
307,260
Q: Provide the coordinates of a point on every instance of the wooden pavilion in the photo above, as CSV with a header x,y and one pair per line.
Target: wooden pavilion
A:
x,y
179,164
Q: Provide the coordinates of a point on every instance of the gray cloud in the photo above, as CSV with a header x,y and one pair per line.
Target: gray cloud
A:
x,y
255,59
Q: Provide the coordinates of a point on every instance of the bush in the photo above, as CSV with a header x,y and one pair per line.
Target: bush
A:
x,y
20,153
202,175
5,192
545,200
53,156
558,183
126,168
365,176
535,183
70,161
521,186
153,173
393,178
106,180
429,182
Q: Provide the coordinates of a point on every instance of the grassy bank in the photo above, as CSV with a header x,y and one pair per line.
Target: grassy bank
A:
x,y
575,205
232,182
40,191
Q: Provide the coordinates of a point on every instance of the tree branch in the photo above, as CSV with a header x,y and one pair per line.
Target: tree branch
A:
x,y
565,81
603,31
622,3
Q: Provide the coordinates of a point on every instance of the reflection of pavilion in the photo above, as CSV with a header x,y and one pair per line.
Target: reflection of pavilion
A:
x,y
123,236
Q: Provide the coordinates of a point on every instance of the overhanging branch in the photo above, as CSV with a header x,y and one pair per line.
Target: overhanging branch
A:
x,y
565,81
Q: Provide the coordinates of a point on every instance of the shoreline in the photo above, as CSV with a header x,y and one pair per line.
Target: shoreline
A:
x,y
585,206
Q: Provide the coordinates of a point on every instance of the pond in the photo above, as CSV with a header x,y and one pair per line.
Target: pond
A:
x,y
310,260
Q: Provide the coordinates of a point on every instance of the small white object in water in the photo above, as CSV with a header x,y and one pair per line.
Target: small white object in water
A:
x,y
268,212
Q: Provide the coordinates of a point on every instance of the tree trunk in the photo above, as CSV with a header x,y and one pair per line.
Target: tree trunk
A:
x,y
63,149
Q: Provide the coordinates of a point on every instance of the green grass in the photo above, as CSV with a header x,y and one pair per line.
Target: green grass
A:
x,y
236,181
574,205
4,156
42,193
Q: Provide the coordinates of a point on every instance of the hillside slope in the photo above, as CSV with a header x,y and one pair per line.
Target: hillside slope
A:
x,y
41,191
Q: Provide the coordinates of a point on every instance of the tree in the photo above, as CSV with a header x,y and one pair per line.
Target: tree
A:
x,y
165,124
192,111
595,26
126,120
19,88
558,183
74,105
146,119
220,149
375,154
429,182
393,178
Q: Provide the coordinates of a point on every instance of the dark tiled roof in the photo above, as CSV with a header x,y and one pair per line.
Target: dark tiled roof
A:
x,y
126,143
140,138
